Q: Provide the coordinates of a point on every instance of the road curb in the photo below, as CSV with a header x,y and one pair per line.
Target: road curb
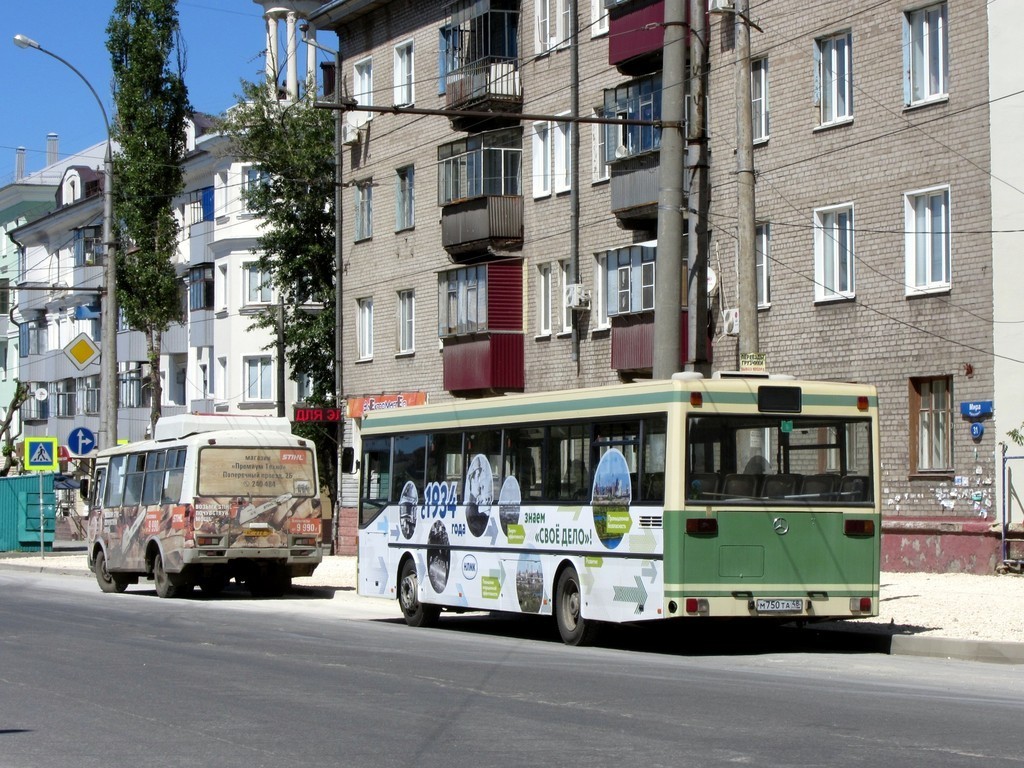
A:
x,y
990,651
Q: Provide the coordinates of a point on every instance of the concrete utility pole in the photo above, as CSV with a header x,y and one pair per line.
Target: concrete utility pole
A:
x,y
669,262
698,196
745,227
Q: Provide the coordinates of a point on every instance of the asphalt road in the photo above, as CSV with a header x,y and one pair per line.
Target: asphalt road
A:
x,y
89,679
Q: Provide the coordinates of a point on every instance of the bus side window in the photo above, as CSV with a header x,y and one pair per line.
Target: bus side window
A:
x,y
523,451
153,485
444,460
566,470
114,493
409,464
133,479
375,478
652,461
175,474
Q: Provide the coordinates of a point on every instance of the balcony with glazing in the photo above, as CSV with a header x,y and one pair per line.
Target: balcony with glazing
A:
x,y
480,194
480,58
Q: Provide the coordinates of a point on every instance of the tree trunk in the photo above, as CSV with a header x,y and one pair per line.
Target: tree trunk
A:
x,y
20,396
153,338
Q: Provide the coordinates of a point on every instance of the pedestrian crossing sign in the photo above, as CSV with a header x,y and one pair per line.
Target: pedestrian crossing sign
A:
x,y
41,453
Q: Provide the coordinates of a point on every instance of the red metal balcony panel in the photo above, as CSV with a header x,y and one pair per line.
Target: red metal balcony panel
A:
x,y
505,295
633,342
484,362
636,32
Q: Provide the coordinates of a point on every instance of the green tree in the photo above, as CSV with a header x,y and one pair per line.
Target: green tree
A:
x,y
291,145
151,100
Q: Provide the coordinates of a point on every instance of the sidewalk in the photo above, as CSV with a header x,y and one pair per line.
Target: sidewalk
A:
x,y
960,616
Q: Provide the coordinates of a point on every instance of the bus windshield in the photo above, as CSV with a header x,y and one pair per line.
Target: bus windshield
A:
x,y
254,471
779,459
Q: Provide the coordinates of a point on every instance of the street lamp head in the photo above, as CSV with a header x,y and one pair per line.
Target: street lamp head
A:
x,y
25,42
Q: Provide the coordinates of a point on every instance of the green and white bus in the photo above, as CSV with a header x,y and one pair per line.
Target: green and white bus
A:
x,y
691,497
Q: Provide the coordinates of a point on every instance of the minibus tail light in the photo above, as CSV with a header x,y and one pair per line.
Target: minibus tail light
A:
x,y
859,527
696,399
862,403
698,526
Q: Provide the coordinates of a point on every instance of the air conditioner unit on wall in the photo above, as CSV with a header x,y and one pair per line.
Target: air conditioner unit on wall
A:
x,y
731,322
721,6
576,296
349,134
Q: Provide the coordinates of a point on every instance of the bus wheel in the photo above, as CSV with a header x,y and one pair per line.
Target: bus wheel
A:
x,y
416,614
107,581
574,629
166,584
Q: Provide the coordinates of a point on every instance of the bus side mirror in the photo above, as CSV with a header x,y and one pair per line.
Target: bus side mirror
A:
x,y
348,461
83,488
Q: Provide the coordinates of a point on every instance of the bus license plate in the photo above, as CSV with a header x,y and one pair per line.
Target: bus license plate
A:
x,y
779,606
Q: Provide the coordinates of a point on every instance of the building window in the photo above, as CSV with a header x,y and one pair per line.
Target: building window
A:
x,y
65,391
833,253
599,152
567,276
406,322
253,177
487,164
362,84
635,100
541,159
759,97
88,245
258,289
598,18
599,302
364,329
35,409
259,378
405,200
927,224
926,54
5,295
554,24
462,301
834,78
552,158
200,287
33,338
447,54
630,279
762,241
364,210
931,424
544,300
89,387
404,78
130,392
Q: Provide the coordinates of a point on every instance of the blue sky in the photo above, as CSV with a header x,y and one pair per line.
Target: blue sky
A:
x,y
224,39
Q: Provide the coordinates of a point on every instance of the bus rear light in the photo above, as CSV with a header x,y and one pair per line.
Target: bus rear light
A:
x,y
696,399
697,605
304,542
207,541
859,527
860,605
862,403
702,526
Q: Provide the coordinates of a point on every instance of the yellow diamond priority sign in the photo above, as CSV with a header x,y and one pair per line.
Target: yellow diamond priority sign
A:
x,y
82,351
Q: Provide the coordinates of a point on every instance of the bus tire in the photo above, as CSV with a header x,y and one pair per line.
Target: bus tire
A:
x,y
574,629
167,585
108,582
416,614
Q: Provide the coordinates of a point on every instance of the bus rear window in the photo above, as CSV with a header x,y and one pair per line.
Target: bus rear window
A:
x,y
269,471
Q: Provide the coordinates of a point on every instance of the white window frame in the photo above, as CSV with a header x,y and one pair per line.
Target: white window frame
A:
x,y
362,86
364,328
259,287
542,170
834,253
598,18
834,77
405,198
542,25
263,366
406,322
221,288
566,278
600,170
931,419
553,24
404,81
923,273
363,198
544,300
762,251
250,177
462,301
561,147
632,281
926,54
759,98
599,302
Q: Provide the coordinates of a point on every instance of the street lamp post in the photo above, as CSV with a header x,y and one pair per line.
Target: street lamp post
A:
x,y
108,317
